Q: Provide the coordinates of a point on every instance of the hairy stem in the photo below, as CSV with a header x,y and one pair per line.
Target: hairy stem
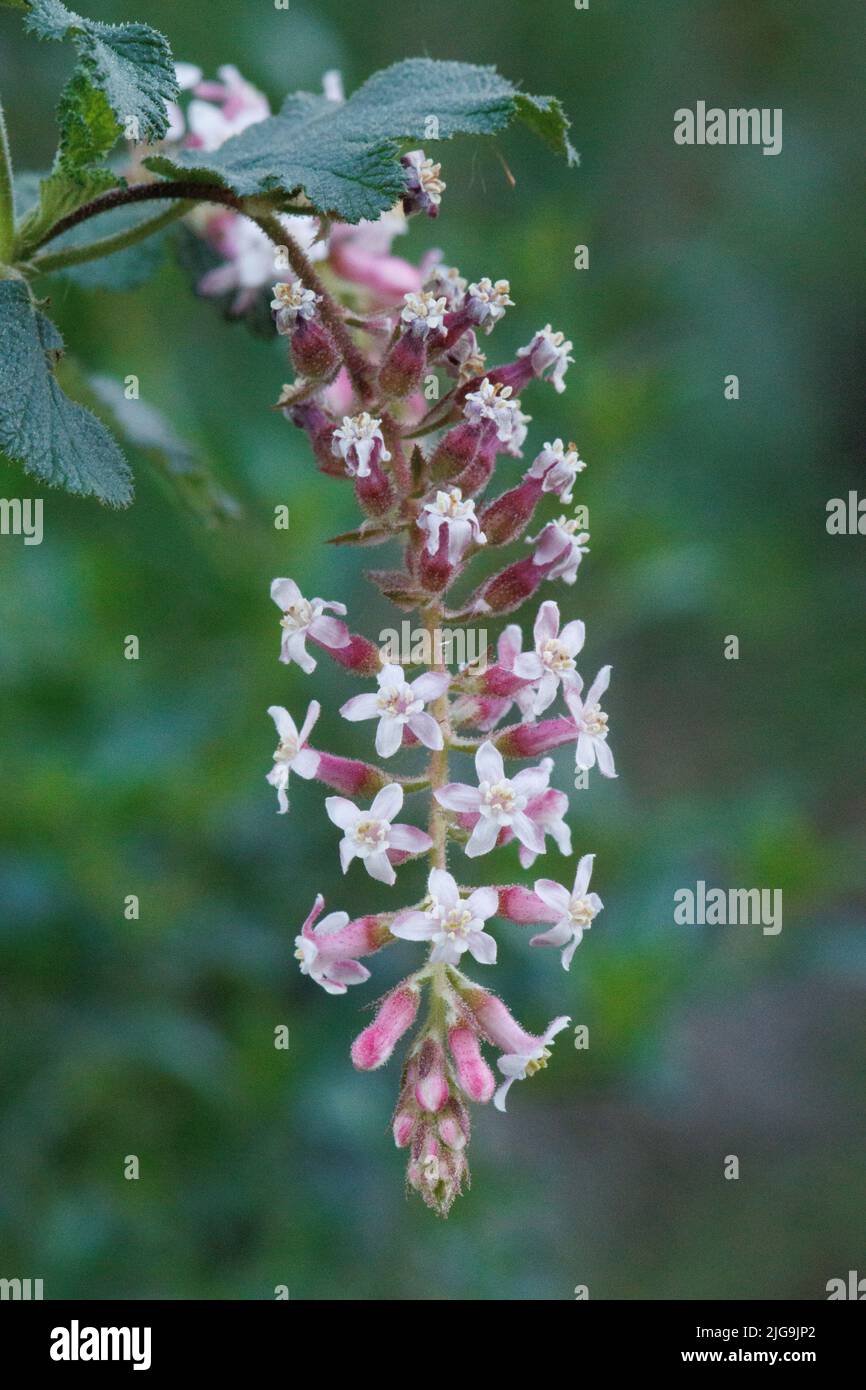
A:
x,y
187,190
107,245
438,769
7,196
355,362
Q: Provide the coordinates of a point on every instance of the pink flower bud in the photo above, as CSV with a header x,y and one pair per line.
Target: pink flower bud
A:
x,y
473,1073
436,571
397,1012
374,490
359,654
457,449
530,740
350,776
314,352
403,1127
497,1023
504,592
519,904
320,429
431,1087
451,1132
503,520
403,367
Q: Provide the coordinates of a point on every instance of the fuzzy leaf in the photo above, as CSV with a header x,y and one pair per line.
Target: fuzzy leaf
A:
x,y
41,428
122,80
54,196
345,156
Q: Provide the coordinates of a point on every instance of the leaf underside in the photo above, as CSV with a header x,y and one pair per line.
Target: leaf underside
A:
x,y
54,438
344,157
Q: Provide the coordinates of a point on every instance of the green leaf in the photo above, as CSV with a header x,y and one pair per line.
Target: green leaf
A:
x,y
345,157
187,473
122,80
52,197
41,428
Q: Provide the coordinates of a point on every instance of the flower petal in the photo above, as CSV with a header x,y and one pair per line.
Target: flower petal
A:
x,y
583,875
458,796
379,866
387,802
409,838
489,764
341,811
426,729
361,707
553,895
482,946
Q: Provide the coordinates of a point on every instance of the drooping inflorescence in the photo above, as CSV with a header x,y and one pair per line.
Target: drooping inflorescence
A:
x,y
421,462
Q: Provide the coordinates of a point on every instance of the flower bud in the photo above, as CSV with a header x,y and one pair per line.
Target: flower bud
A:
x,y
349,776
403,1127
473,1073
314,352
519,904
403,368
431,1087
320,429
506,518
374,491
375,1044
530,740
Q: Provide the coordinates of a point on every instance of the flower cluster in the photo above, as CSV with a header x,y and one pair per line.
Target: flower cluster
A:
x,y
421,464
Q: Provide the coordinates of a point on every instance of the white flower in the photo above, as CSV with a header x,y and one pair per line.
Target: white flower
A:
x,y
577,910
519,427
447,282
423,179
357,440
292,301
236,104
591,721
369,835
549,355
452,923
303,616
518,1066
322,952
487,301
558,466
562,546
423,312
399,705
556,651
498,800
450,510
292,753
493,401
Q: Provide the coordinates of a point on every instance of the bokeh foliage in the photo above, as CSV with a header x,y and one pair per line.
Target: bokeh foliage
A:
x,y
261,1167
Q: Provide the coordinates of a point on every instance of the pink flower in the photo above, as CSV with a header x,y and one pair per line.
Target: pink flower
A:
x,y
559,549
292,754
487,301
548,354
591,722
576,910
399,705
556,652
557,466
494,403
452,923
360,443
223,109
369,835
303,616
449,510
547,811
322,951
292,301
424,187
499,801
530,1057
361,254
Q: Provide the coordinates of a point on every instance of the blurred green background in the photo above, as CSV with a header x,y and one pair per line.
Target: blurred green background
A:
x,y
261,1167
